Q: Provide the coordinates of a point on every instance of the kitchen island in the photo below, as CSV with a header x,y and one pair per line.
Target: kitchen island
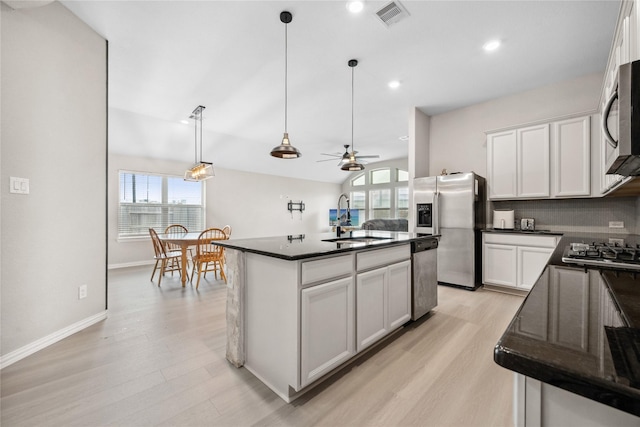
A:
x,y
300,307
574,344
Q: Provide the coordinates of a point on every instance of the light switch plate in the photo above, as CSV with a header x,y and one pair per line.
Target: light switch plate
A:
x,y
616,224
18,185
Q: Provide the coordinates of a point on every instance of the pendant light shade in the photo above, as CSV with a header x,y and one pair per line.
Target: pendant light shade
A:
x,y
285,150
352,164
200,170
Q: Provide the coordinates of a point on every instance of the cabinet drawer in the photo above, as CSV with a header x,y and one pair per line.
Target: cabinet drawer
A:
x,y
521,240
381,257
326,268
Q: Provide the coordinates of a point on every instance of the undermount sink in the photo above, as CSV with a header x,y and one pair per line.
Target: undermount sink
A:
x,y
362,239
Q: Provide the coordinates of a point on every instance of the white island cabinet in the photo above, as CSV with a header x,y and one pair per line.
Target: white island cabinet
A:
x,y
302,319
384,299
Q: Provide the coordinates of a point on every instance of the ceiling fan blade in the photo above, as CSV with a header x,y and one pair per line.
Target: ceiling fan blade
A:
x,y
374,156
326,160
332,154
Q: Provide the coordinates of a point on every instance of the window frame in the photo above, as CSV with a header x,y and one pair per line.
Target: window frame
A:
x,y
164,206
393,186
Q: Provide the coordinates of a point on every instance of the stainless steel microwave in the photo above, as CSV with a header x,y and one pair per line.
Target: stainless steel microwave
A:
x,y
621,121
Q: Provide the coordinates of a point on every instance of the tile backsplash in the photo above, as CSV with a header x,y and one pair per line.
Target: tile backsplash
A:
x,y
590,215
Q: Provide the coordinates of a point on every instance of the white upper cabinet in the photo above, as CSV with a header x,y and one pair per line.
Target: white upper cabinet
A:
x,y
571,148
501,165
548,160
533,161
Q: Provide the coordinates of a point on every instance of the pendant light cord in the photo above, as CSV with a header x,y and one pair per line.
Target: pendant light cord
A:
x,y
197,117
195,138
352,147
200,120
285,77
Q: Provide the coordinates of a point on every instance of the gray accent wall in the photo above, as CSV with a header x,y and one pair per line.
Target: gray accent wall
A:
x,y
54,132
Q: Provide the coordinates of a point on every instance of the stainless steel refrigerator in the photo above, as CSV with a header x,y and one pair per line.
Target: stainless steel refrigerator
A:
x,y
453,206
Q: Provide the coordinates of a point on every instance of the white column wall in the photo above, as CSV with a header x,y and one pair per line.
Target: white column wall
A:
x,y
54,132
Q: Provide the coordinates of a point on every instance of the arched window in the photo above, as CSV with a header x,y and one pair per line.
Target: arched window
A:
x,y
380,193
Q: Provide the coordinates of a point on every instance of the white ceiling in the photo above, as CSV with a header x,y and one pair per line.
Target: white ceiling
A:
x,y
167,57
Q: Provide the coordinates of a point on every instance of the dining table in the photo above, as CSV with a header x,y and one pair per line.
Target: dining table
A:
x,y
184,240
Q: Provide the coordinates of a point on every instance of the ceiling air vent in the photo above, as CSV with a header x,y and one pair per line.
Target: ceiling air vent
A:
x,y
392,13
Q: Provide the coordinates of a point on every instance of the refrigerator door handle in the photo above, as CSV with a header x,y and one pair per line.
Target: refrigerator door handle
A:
x,y
436,212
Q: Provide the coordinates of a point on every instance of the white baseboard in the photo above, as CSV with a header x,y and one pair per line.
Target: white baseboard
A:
x,y
27,350
130,264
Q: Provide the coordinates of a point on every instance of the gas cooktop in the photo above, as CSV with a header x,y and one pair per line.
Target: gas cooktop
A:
x,y
613,255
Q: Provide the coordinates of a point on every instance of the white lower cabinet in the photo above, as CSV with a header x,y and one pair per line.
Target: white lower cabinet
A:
x,y
383,302
515,260
399,294
341,315
499,265
531,261
372,316
327,328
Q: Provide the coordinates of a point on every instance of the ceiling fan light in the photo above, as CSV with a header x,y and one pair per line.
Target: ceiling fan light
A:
x,y
285,150
352,166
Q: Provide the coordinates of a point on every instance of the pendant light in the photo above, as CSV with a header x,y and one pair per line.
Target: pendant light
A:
x,y
285,150
200,170
352,164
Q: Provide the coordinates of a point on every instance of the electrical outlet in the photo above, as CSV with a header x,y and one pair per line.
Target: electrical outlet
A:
x,y
616,224
82,291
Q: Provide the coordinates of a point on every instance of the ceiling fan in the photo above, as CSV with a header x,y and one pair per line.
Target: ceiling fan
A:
x,y
344,157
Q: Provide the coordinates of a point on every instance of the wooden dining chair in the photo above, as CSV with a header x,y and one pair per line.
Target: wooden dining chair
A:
x,y
177,229
209,257
165,260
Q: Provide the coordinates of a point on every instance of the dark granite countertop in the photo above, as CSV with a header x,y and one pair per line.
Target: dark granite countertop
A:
x,y
297,247
579,329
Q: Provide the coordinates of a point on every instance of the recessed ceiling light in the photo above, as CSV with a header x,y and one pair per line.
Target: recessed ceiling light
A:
x,y
491,45
394,84
184,122
404,138
355,6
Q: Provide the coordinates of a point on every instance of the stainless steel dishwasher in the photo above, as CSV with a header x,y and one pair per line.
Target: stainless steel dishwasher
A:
x,y
424,280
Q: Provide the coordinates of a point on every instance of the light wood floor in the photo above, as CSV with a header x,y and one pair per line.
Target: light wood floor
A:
x,y
159,360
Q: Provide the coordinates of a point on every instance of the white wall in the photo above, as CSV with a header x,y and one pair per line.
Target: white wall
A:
x,y
457,138
255,205
53,133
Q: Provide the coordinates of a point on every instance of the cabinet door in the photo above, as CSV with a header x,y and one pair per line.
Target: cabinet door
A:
x,y
533,161
531,263
399,293
371,307
571,157
499,265
501,165
327,328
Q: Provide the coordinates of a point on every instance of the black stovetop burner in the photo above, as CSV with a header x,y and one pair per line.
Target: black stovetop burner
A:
x,y
603,254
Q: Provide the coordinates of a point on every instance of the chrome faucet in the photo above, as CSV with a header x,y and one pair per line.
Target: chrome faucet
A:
x,y
348,222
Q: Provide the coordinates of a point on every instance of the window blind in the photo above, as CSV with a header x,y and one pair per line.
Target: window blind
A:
x,y
157,201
